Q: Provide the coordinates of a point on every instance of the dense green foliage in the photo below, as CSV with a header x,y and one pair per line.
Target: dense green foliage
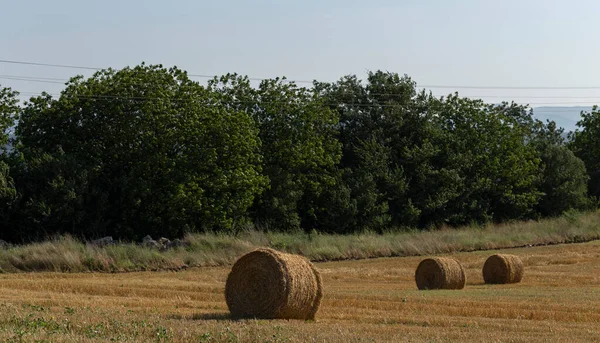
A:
x,y
133,152
146,150
299,148
585,143
8,114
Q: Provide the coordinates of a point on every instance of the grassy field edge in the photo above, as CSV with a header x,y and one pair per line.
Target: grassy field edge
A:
x,y
66,254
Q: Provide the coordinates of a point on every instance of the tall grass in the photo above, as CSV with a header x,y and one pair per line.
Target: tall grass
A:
x,y
66,254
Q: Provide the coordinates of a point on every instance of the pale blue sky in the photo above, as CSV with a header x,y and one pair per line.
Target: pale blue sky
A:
x,y
436,42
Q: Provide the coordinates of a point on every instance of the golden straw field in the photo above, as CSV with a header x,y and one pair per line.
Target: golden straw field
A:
x,y
373,300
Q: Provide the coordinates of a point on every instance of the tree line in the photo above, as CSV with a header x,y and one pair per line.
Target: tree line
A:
x,y
147,150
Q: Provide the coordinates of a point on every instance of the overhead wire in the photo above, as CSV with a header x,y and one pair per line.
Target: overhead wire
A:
x,y
97,69
306,81
54,80
239,102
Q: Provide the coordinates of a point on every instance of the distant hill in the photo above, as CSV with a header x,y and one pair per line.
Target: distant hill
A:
x,y
564,116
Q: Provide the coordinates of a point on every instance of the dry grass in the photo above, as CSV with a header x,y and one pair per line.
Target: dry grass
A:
x,y
372,300
69,255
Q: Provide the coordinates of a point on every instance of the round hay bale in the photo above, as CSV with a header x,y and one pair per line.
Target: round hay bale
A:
x,y
503,268
269,284
440,273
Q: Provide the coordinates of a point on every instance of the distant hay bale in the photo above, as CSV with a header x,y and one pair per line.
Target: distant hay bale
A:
x,y
269,284
503,268
440,273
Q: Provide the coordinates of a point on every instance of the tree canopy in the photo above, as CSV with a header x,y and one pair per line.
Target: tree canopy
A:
x,y
146,150
141,150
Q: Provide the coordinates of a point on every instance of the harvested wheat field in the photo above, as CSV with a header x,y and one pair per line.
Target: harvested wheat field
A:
x,y
364,301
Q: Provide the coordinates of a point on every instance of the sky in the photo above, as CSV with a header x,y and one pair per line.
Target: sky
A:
x,y
473,43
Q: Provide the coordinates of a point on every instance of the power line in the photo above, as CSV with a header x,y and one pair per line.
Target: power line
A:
x,y
30,80
130,98
96,69
526,97
35,77
508,87
56,81
306,81
581,103
49,65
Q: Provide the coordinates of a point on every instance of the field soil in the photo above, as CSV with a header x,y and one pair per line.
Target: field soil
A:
x,y
374,300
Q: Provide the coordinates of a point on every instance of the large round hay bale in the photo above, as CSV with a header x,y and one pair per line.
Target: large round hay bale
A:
x,y
440,273
269,284
503,268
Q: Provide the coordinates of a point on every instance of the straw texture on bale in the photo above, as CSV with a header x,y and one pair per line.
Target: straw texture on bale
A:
x,y
440,273
269,284
503,268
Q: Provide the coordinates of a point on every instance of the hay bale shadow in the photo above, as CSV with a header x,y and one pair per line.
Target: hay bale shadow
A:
x,y
201,316
212,316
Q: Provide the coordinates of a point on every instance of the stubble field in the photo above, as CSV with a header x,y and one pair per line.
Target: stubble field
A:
x,y
365,301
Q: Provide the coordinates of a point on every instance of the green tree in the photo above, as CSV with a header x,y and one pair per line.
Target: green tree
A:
x,y
364,160
52,189
299,149
389,157
138,151
486,148
585,144
564,181
9,110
